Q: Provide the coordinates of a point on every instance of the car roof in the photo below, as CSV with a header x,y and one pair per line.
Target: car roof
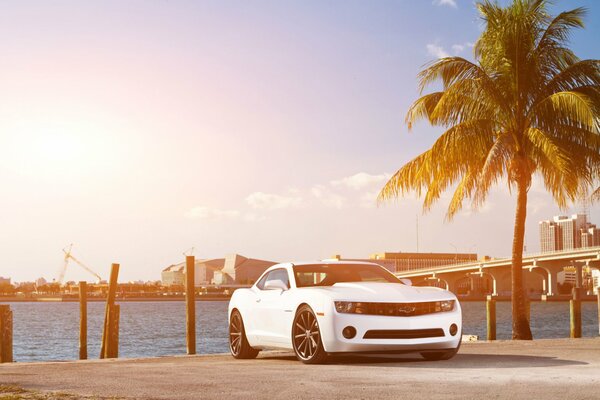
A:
x,y
321,262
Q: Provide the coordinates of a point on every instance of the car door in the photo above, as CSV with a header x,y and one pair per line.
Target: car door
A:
x,y
273,314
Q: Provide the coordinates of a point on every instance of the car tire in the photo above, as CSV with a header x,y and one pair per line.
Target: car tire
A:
x,y
442,355
306,337
238,343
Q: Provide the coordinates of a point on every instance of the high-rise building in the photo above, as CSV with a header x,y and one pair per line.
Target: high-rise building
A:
x,y
568,233
590,236
571,230
550,236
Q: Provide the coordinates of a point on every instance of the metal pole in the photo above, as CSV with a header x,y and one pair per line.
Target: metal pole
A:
x,y
83,321
110,301
190,301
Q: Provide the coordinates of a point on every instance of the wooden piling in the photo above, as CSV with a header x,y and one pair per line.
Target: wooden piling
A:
x,y
575,314
491,318
110,301
112,344
83,321
6,334
598,297
190,301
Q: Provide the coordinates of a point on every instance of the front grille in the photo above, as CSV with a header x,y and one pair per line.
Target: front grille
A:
x,y
404,333
399,309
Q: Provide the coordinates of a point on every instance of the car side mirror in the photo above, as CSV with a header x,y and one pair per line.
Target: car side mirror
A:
x,y
406,281
276,284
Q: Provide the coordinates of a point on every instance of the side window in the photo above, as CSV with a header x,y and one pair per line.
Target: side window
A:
x,y
261,283
276,274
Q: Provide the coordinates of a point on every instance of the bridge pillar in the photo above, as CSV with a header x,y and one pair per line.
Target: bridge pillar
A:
x,y
494,283
482,275
501,280
550,284
451,279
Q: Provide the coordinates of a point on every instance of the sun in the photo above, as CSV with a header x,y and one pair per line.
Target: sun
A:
x,y
51,147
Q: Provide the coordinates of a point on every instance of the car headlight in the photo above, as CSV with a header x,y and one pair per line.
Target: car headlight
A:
x,y
446,305
397,309
347,307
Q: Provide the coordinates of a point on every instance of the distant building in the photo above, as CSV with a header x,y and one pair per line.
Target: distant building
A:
x,y
590,236
550,237
596,280
41,282
397,262
413,261
4,281
233,269
567,276
241,270
204,271
568,233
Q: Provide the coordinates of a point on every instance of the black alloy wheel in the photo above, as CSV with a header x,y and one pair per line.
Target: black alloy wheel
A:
x,y
306,337
238,344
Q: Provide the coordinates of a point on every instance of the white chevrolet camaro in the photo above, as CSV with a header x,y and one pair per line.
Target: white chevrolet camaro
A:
x,y
333,307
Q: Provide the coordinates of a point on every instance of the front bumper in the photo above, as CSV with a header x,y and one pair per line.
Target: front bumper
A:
x,y
334,342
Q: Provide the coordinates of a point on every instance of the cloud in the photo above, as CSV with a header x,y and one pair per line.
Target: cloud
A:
x,y
434,49
327,197
267,201
369,199
450,3
209,213
252,217
458,48
437,51
360,180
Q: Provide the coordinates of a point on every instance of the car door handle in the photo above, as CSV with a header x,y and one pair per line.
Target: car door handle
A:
x,y
258,300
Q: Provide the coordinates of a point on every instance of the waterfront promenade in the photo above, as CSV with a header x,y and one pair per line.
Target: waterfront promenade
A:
x,y
550,368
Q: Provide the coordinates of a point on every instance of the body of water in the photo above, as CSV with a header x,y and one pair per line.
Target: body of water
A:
x,y
50,331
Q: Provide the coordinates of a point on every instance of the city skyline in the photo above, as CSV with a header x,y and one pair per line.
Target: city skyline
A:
x,y
140,137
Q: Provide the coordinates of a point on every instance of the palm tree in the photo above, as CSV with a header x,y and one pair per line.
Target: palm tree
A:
x,y
526,107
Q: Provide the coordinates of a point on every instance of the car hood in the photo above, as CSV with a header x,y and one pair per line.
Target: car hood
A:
x,y
384,292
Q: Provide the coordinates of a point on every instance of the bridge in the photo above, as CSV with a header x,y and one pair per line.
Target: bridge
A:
x,y
494,276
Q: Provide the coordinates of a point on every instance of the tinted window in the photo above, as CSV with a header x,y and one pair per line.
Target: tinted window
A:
x,y
276,274
330,274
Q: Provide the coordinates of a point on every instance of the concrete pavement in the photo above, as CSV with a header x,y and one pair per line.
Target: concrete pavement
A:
x,y
550,369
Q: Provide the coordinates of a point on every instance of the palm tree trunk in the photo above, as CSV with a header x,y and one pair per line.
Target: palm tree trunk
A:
x,y
520,324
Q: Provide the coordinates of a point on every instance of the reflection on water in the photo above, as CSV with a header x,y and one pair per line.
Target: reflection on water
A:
x,y
50,331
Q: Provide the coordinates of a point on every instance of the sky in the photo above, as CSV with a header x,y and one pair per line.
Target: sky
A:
x,y
137,130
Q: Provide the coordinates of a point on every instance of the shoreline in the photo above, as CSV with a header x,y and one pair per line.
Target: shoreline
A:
x,y
500,369
50,299
103,299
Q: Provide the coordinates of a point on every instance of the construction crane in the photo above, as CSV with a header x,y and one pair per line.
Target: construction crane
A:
x,y
69,256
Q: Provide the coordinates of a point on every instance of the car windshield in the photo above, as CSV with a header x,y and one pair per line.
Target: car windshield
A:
x,y
330,274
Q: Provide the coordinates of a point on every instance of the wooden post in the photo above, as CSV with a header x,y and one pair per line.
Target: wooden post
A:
x,y
112,345
575,311
598,296
6,334
83,321
491,318
110,301
190,301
